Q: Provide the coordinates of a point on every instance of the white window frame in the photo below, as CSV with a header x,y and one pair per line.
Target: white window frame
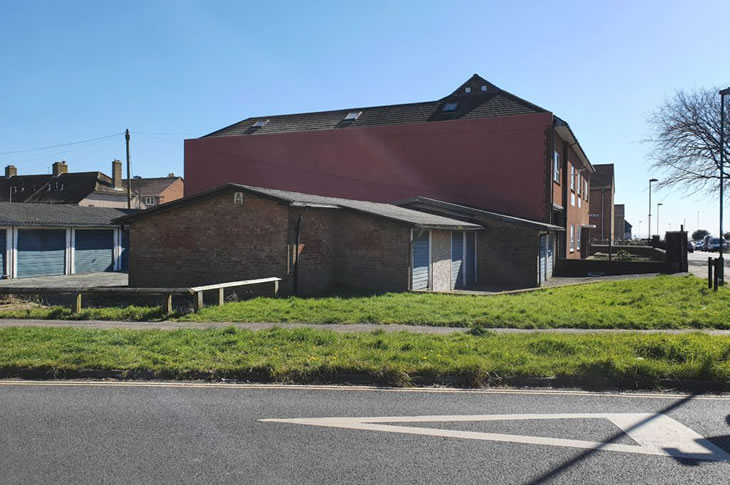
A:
x,y
572,199
585,182
572,238
149,200
556,167
572,177
577,239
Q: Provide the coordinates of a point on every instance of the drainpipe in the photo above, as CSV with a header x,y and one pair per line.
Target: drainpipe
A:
x,y
551,163
296,252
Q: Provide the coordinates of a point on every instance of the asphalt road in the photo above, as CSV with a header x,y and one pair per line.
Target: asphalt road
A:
x,y
75,433
697,263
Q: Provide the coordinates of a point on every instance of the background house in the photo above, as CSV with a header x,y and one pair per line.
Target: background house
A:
x,y
90,189
603,188
619,224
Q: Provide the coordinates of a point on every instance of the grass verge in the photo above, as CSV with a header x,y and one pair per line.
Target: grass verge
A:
x,y
628,360
663,302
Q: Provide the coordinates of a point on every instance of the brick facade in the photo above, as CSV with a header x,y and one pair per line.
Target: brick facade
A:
x,y
174,191
215,240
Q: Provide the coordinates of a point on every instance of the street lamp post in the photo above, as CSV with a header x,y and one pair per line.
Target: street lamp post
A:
x,y
638,232
723,93
649,225
657,219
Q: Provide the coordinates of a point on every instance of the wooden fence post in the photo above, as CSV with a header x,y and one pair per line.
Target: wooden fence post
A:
x,y
276,288
76,305
167,304
221,296
197,301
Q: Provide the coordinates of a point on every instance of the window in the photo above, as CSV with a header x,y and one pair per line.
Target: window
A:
x,y
260,123
484,88
149,201
556,166
353,115
467,90
238,198
579,179
577,239
585,192
572,238
580,201
449,107
572,177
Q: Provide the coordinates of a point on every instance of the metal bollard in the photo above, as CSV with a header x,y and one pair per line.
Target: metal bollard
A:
x,y
709,273
716,276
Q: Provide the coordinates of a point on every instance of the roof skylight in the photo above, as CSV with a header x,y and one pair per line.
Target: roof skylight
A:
x,y
449,107
353,115
260,123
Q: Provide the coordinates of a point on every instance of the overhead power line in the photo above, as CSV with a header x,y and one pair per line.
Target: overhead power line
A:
x,y
60,145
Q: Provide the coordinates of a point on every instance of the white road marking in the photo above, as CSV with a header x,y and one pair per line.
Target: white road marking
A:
x,y
656,434
304,387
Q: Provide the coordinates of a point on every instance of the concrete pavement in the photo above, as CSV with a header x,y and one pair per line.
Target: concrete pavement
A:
x,y
128,433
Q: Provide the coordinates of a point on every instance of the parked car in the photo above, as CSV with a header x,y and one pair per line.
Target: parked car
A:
x,y
690,247
714,244
699,245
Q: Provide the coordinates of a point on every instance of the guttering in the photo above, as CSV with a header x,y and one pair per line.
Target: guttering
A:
x,y
563,128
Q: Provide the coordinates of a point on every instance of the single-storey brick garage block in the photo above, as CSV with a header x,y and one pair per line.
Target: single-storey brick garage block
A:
x,y
313,243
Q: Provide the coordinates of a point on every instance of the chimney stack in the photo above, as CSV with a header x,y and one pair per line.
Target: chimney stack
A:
x,y
59,168
171,175
117,174
11,171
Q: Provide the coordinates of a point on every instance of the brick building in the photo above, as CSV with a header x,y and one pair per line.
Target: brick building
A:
x,y
154,191
479,147
602,215
313,243
619,223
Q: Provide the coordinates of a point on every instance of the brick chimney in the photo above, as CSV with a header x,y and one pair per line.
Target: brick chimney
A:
x,y
171,175
59,168
11,171
117,174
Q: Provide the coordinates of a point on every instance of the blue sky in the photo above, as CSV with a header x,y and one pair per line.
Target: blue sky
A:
x,y
173,70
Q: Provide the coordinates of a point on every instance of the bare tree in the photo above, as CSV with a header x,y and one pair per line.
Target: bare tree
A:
x,y
685,141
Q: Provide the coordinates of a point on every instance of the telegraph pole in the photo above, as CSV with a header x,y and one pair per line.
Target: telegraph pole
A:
x,y
129,173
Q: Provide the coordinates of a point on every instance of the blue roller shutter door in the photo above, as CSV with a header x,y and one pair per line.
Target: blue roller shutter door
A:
x,y
421,254
94,251
471,257
457,260
3,268
41,252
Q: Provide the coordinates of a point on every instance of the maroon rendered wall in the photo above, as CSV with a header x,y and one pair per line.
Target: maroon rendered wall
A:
x,y
498,163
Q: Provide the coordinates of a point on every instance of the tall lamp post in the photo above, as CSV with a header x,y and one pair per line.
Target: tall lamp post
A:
x,y
723,93
659,204
638,231
649,225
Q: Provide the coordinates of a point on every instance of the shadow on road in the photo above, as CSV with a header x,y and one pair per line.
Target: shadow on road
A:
x,y
553,473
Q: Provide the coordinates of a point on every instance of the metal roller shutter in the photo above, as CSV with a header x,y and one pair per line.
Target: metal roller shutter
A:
x,y
41,252
3,268
94,251
471,257
421,250
457,260
550,250
543,258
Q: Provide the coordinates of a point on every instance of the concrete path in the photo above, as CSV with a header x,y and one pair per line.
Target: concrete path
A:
x,y
72,281
341,328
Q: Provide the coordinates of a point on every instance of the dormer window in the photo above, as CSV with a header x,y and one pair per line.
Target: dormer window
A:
x,y
467,90
353,115
484,88
450,107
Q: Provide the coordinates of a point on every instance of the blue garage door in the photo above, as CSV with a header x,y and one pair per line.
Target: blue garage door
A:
x,y
420,262
471,257
94,251
457,260
3,269
41,252
125,250
549,269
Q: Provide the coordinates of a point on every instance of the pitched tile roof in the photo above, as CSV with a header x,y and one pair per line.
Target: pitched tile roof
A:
x,y
297,199
491,102
61,215
151,186
66,188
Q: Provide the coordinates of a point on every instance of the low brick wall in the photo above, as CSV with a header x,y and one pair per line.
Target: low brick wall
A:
x,y
585,267
645,251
